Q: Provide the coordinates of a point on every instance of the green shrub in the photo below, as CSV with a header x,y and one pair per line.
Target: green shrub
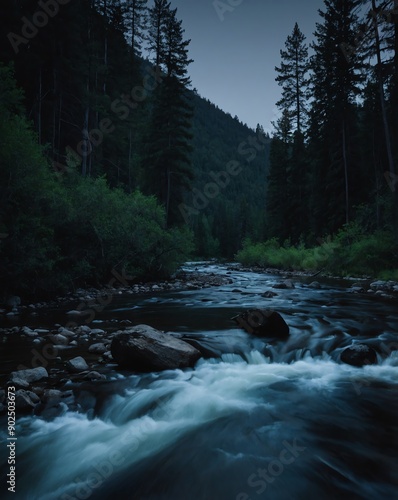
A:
x,y
350,252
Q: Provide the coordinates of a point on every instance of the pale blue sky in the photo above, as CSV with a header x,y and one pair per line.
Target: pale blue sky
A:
x,y
235,51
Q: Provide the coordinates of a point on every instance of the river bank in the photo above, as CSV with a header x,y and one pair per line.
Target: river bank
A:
x,y
119,284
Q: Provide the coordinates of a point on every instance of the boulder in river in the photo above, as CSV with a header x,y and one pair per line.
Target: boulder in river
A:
x,y
263,323
142,348
359,355
285,285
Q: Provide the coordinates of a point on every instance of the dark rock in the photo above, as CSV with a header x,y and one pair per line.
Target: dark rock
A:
x,y
19,382
59,339
280,286
315,284
77,365
359,355
28,331
286,285
33,397
55,396
204,351
144,349
357,289
378,285
263,323
55,403
97,348
95,376
23,400
65,332
28,376
13,303
269,294
83,329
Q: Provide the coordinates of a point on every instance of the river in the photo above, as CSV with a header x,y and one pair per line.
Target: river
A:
x,y
278,421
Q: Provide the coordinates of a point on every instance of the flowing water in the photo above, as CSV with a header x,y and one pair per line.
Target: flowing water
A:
x,y
271,420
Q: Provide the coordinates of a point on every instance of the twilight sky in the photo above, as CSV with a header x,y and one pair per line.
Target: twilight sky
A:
x,y
235,52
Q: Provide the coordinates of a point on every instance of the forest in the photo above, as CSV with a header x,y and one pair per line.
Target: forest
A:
x,y
111,161
332,201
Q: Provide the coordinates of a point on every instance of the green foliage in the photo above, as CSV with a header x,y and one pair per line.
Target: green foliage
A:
x,y
361,253
27,249
123,231
351,252
62,231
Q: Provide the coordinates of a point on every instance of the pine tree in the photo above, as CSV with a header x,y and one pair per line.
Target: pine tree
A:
x,y
293,77
336,79
278,208
157,18
136,19
168,166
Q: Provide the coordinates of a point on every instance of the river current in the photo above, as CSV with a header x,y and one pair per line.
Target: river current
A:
x,y
275,420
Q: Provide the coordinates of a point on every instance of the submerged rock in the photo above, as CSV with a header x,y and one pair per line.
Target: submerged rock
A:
x,y
285,285
359,355
263,323
144,349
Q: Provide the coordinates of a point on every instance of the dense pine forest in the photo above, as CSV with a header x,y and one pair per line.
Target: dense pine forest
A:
x,y
111,161
332,201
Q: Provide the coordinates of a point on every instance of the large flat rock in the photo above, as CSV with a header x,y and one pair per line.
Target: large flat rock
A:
x,y
142,348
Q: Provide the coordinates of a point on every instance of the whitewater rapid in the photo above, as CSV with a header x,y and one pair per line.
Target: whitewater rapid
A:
x,y
75,456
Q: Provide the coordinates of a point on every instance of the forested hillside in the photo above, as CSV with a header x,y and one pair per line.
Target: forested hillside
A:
x,y
234,211
110,160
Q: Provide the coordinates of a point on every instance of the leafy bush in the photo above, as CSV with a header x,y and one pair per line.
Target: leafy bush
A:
x,y
351,252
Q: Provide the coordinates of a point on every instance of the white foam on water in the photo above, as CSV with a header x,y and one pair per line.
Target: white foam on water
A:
x,y
72,449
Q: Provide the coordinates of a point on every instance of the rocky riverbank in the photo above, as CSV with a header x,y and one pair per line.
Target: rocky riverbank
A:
x,y
118,285
368,285
72,352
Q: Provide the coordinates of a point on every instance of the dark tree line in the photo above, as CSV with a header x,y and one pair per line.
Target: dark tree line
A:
x,y
100,148
334,149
